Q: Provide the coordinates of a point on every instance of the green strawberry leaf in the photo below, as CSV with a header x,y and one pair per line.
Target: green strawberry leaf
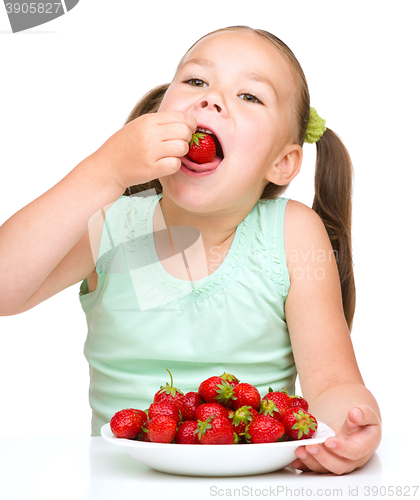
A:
x,y
268,407
242,415
202,427
196,138
225,392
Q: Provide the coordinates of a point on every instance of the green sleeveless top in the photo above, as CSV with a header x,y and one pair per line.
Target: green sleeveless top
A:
x,y
142,321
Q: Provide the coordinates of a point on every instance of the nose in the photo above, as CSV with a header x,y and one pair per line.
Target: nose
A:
x,y
212,100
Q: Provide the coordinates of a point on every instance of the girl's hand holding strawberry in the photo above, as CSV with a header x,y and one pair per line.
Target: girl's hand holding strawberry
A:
x,y
146,148
352,446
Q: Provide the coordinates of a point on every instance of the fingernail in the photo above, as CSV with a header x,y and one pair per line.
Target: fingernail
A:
x,y
313,451
331,444
359,412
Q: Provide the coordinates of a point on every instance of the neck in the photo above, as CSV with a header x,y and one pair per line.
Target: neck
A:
x,y
216,228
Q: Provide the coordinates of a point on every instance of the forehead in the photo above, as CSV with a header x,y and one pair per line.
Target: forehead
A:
x,y
243,50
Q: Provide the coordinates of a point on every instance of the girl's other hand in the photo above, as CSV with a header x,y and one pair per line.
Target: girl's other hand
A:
x,y
351,447
147,148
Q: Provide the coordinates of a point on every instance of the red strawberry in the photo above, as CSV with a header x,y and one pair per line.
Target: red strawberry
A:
x,y
299,424
168,409
186,433
274,404
242,417
162,429
202,148
245,395
144,433
142,414
215,430
190,401
216,390
264,429
228,377
127,423
297,401
169,393
206,410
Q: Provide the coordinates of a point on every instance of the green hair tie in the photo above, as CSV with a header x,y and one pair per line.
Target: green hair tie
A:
x,y
315,128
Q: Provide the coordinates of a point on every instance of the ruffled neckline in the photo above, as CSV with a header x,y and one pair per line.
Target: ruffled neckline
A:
x,y
192,290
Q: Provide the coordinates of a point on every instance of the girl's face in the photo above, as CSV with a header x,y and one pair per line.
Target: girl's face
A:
x,y
240,87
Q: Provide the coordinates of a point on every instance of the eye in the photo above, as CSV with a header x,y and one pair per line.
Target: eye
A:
x,y
250,98
196,82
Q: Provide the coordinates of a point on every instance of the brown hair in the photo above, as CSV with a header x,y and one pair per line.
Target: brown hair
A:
x,y
333,173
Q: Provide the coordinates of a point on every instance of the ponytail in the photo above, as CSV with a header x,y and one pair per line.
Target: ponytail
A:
x,y
333,203
149,103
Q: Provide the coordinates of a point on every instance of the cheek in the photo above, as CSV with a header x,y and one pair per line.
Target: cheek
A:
x,y
254,141
166,103
173,102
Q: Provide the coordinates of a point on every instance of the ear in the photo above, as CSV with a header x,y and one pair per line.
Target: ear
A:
x,y
287,165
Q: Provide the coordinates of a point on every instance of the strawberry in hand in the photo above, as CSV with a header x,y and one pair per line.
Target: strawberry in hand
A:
x,y
202,148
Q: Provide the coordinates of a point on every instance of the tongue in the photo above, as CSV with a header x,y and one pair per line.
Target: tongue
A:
x,y
202,167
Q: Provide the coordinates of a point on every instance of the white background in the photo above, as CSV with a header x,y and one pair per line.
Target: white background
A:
x,y
68,85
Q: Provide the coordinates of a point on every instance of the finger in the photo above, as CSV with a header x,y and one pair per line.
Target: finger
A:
x,y
177,117
171,131
309,461
299,465
177,148
167,166
369,416
329,461
358,445
191,121
357,417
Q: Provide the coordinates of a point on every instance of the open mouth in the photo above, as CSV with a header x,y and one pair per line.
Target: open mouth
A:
x,y
219,149
214,163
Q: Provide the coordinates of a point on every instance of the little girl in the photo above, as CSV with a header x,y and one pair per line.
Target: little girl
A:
x,y
203,268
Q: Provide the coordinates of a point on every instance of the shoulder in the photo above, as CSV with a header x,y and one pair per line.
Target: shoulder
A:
x,y
304,231
297,213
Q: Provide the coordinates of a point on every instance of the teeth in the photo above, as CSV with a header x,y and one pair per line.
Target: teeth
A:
x,y
199,129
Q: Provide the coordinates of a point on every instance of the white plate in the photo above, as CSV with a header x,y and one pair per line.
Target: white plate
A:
x,y
215,460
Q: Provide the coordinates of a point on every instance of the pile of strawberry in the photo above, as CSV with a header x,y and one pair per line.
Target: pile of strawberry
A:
x,y
223,411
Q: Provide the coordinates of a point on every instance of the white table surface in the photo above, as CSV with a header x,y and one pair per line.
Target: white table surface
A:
x,y
91,468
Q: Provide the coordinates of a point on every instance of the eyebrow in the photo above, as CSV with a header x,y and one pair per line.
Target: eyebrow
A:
x,y
199,61
261,79
252,75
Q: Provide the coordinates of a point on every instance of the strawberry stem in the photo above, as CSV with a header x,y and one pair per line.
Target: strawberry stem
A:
x,y
172,380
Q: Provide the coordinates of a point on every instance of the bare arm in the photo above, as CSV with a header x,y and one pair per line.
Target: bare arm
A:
x,y
44,247
323,351
38,237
